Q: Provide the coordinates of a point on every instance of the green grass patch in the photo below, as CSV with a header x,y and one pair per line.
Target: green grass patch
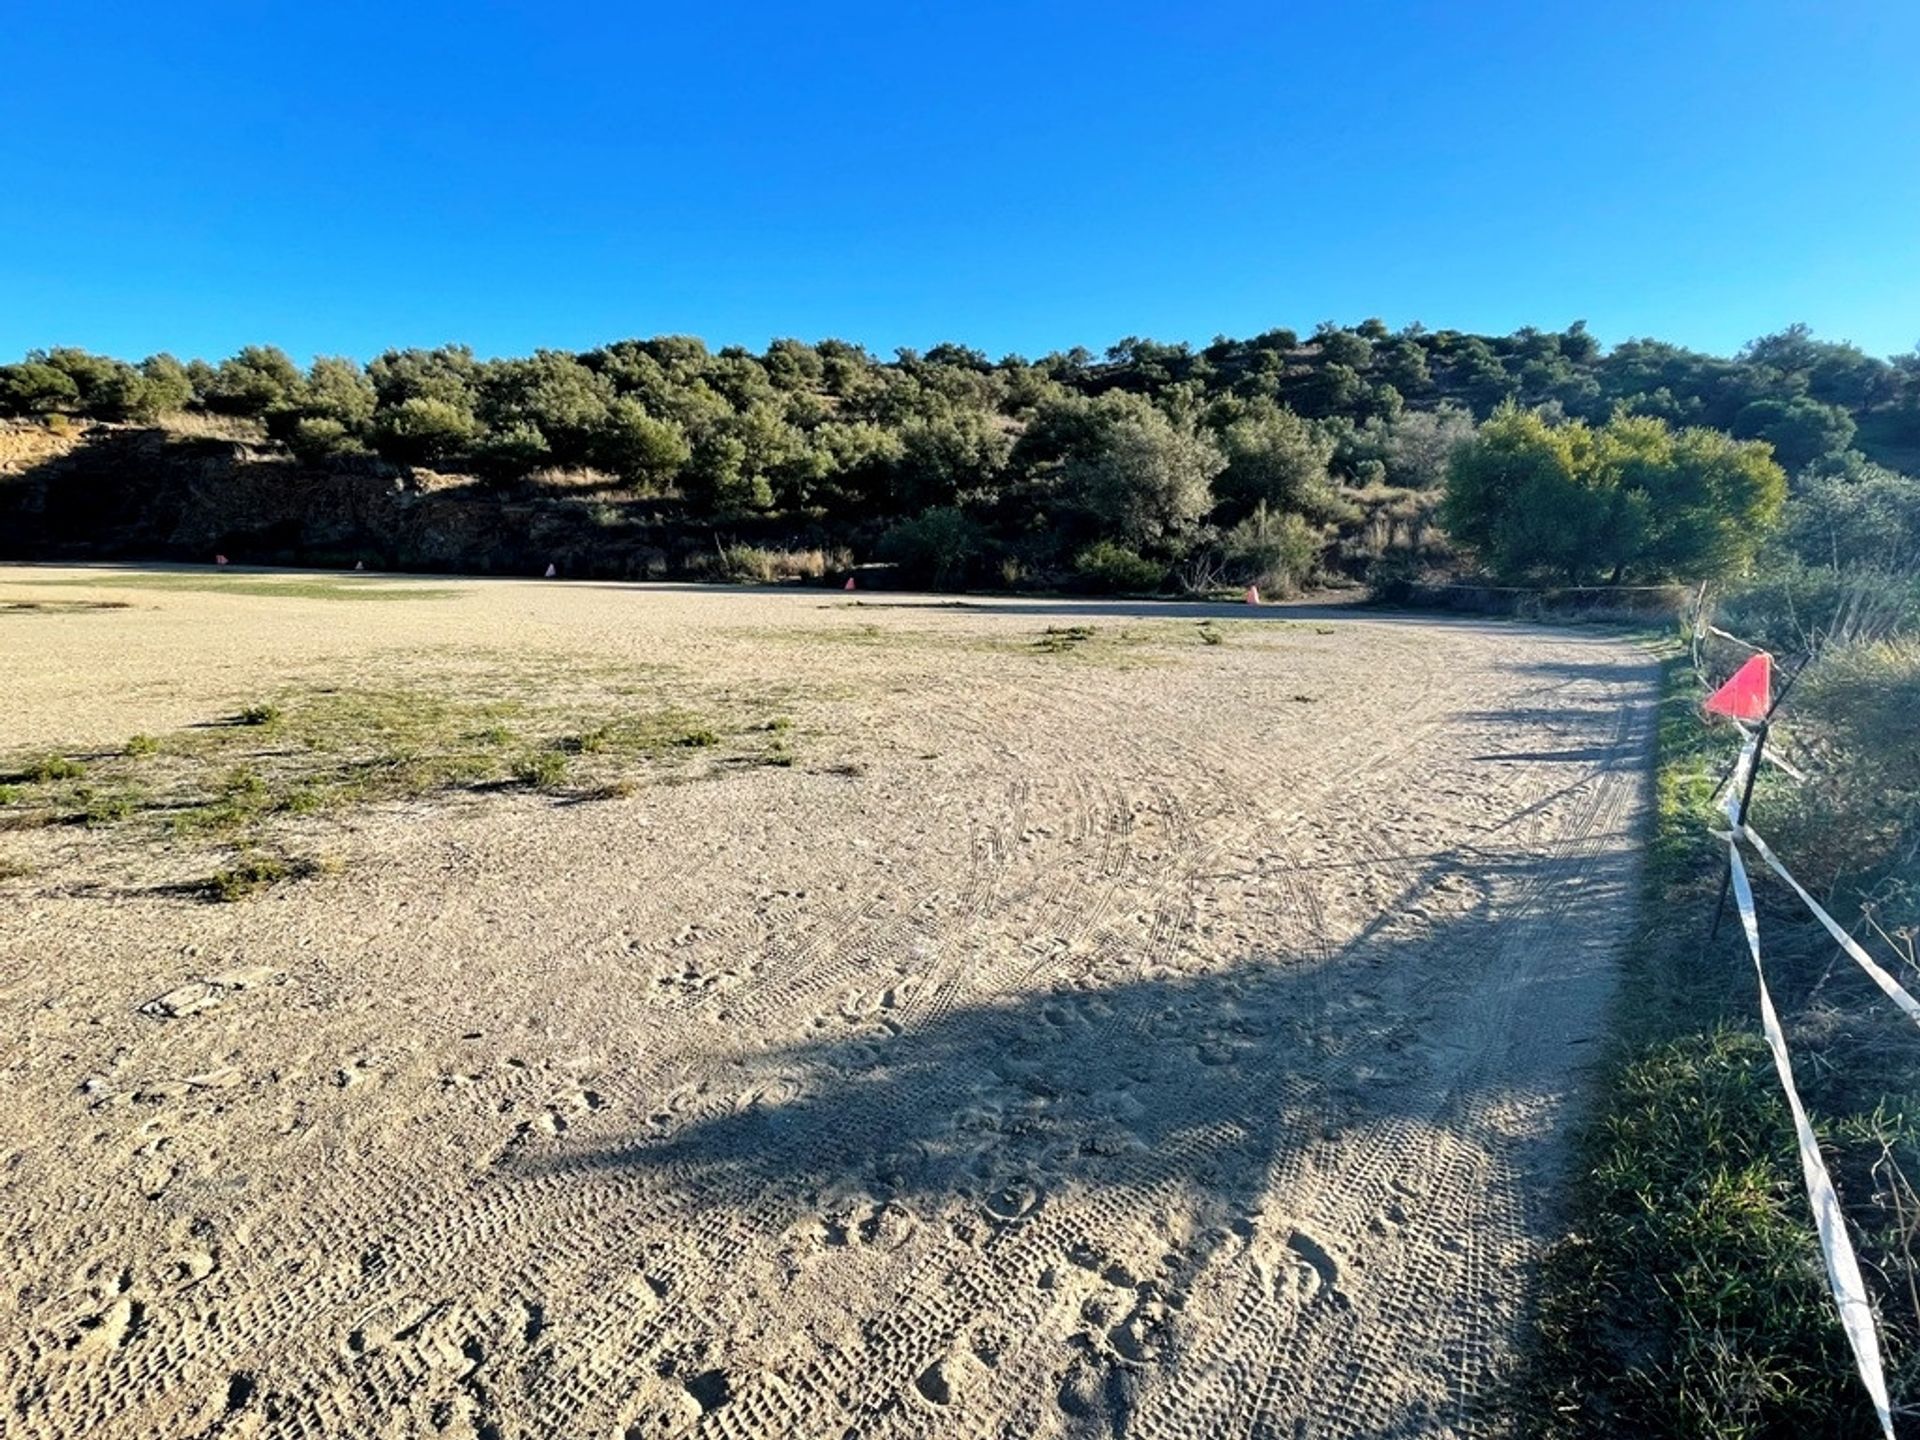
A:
x,y
542,769
248,876
47,769
256,781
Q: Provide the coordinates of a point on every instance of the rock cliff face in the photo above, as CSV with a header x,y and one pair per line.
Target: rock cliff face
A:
x,y
114,492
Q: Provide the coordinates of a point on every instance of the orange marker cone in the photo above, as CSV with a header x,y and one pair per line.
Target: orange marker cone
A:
x,y
219,559
849,584
1253,594
551,572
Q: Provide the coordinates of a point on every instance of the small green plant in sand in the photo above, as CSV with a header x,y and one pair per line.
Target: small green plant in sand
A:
x,y
248,875
49,768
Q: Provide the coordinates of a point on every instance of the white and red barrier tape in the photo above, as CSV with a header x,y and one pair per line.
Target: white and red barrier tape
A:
x,y
1843,1269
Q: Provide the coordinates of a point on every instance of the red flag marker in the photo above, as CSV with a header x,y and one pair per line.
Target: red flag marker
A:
x,y
849,584
1749,694
1253,594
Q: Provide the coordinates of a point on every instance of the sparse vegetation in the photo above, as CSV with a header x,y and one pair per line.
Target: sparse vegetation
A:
x,y
1061,639
541,769
248,876
307,754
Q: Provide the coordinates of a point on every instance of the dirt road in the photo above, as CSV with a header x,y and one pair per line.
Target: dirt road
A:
x,y
1123,1033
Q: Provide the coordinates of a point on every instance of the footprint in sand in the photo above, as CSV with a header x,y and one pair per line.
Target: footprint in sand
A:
x,y
207,992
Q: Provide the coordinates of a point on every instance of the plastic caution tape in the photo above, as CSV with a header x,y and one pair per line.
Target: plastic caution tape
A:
x,y
1771,757
1843,1270
1892,988
1724,635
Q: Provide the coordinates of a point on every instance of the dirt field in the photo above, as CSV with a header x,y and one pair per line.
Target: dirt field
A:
x,y
981,1032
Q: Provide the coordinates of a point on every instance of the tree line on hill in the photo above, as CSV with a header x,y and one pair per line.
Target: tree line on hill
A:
x,y
1561,461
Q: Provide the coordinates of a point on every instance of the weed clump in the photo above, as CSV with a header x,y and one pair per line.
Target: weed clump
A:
x,y
1062,639
107,807
541,770
247,876
261,714
50,768
141,745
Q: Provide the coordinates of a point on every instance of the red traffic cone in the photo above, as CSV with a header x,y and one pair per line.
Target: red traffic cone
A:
x,y
552,573
849,584
1253,594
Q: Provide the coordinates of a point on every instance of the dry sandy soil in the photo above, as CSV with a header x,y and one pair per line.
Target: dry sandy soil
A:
x,y
1146,1036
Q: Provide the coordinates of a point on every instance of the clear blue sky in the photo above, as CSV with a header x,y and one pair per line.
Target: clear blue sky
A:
x,y
340,177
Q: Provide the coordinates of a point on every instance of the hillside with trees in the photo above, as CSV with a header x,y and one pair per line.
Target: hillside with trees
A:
x,y
1275,460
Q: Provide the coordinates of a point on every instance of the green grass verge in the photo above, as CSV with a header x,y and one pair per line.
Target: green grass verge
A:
x,y
1688,1297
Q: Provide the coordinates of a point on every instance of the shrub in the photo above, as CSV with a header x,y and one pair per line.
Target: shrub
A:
x,y
757,565
318,438
55,767
420,430
1793,606
1276,552
1110,567
936,548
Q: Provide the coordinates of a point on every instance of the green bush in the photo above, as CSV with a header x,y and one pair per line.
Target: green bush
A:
x,y
1791,606
1277,552
1111,568
936,548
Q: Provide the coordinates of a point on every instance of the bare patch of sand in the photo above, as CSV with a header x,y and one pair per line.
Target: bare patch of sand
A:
x,y
1133,1034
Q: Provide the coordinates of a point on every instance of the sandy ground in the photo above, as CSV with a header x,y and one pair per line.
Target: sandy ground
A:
x,y
1160,1039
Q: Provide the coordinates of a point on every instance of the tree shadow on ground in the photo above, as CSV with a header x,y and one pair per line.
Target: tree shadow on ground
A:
x,y
1144,1082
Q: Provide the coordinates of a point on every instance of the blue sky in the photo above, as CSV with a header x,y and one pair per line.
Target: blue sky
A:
x,y
339,178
